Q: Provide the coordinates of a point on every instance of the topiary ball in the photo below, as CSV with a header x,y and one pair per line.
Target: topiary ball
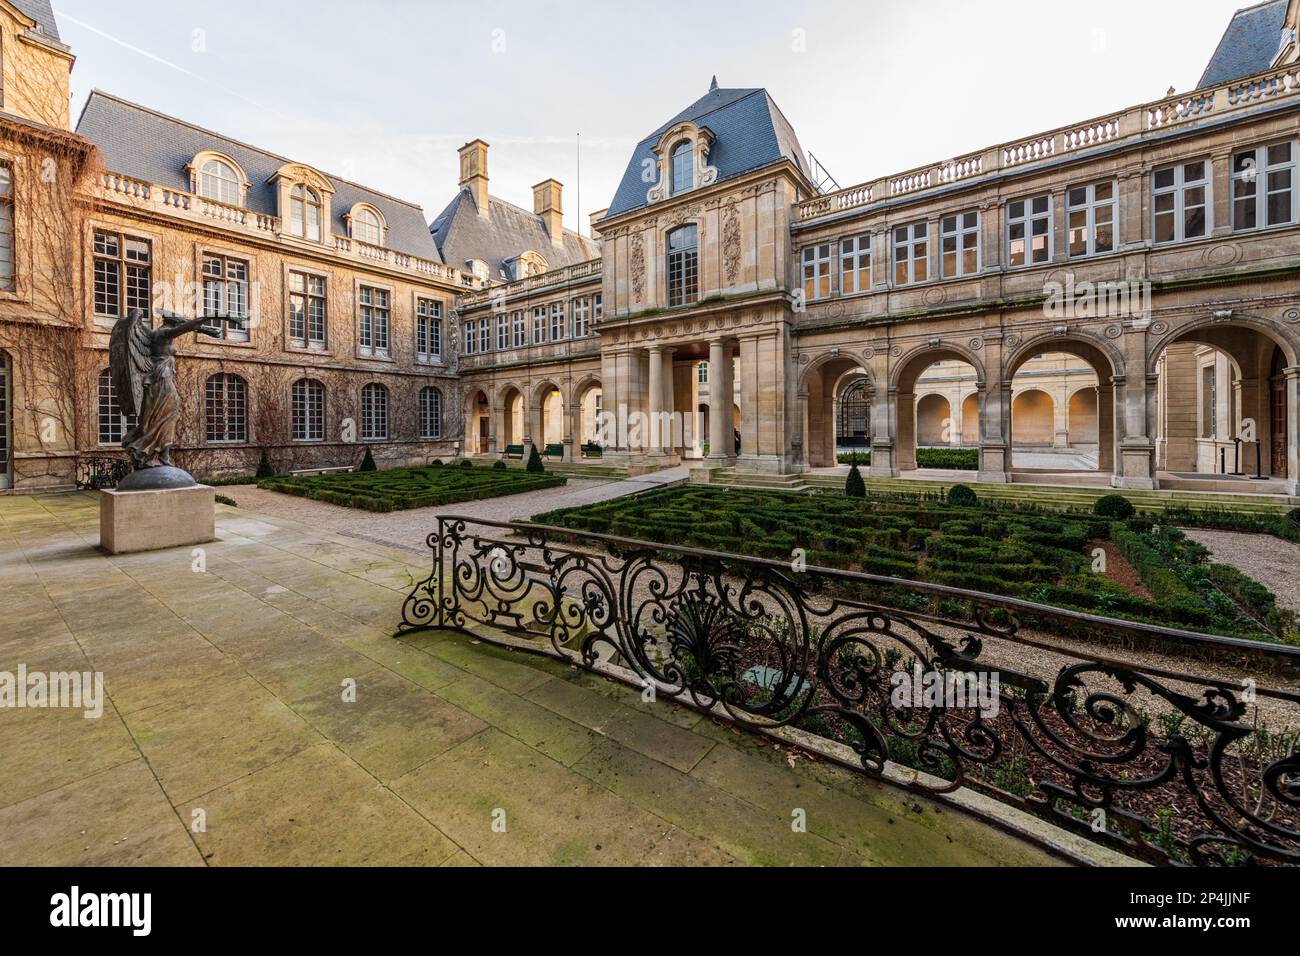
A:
x,y
498,466
466,463
1114,506
960,496
1294,516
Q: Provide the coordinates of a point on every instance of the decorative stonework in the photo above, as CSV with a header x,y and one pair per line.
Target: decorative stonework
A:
x,y
1113,331
731,243
636,262
1291,315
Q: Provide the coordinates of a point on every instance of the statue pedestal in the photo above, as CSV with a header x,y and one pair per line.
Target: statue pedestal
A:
x,y
152,520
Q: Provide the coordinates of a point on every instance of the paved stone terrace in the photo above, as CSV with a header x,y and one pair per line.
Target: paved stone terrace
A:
x,y
224,696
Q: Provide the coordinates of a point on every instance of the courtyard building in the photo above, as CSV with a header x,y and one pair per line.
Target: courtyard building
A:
x,y
1108,302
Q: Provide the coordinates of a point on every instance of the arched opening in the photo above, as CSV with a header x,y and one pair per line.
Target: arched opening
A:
x,y
478,423
547,428
932,387
703,413
970,420
590,408
1062,417
1033,418
837,410
934,424
1225,408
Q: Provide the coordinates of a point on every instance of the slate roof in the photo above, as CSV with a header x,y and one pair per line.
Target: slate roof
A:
x,y
750,132
144,144
42,13
1249,45
462,235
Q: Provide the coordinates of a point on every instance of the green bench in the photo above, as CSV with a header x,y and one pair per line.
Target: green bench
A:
x,y
514,451
592,450
554,451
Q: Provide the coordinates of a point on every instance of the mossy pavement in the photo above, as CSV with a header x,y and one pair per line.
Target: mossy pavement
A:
x,y
225,738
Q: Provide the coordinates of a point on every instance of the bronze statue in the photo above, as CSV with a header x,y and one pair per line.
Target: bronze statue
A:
x,y
142,362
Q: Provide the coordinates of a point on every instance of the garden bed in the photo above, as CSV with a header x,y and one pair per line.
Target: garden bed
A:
x,y
1039,555
952,459
400,489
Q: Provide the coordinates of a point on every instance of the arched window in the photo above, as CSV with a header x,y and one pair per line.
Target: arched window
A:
x,y
683,266
308,410
112,423
218,180
226,403
683,167
374,412
304,212
430,412
366,227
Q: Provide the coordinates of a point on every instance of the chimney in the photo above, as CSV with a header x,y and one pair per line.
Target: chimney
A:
x,y
596,217
548,203
474,173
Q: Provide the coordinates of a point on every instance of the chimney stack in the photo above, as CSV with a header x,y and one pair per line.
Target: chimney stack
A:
x,y
548,203
474,173
596,217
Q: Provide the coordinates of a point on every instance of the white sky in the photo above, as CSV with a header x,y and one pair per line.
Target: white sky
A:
x,y
384,92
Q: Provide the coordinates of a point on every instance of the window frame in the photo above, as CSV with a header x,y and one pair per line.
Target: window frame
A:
x,y
683,150
428,330
434,433
539,325
303,199
123,269
369,312
518,329
304,427
8,228
106,402
224,284
961,232
1258,175
912,257
502,321
235,182
1178,190
580,315
861,248
1027,219
308,297
685,262
369,413
556,328
1090,207
229,383
815,270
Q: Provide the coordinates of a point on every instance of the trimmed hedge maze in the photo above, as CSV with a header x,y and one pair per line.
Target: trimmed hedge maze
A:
x,y
1043,556
953,459
400,489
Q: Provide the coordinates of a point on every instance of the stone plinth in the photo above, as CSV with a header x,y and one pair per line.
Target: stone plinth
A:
x,y
152,520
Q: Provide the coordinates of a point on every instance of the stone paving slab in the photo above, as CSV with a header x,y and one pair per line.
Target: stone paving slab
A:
x,y
226,738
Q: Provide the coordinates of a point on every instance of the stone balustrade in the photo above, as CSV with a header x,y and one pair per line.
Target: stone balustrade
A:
x,y
1148,119
119,188
554,277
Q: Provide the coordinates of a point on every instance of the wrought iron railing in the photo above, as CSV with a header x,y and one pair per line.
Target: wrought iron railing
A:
x,y
101,471
1166,766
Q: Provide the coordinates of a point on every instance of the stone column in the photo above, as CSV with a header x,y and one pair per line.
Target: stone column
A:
x,y
722,450
655,401
572,413
1292,430
995,415
905,442
750,403
883,413
670,439
1136,449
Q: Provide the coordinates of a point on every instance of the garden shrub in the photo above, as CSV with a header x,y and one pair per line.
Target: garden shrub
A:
x,y
1294,516
854,486
403,488
1114,506
466,463
962,496
498,465
367,462
534,465
264,469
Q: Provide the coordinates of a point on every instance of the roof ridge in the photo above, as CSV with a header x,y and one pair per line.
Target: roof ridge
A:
x,y
96,91
747,90
528,212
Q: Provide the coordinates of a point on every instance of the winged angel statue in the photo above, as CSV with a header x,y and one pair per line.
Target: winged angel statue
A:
x,y
142,361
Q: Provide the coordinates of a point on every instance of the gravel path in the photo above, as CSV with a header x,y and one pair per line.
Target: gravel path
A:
x,y
1271,561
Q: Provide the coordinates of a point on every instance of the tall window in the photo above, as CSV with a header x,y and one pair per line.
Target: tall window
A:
x,y
683,266
855,265
374,412
817,272
308,410
1180,202
366,227
226,403
1263,187
503,332
581,318
539,324
428,330
304,212
218,180
430,412
7,257
557,321
225,292
1209,401
112,423
484,335
597,308
1029,231
702,373
911,253
306,310
470,333
122,274
518,330
1090,219
373,330
683,167
959,245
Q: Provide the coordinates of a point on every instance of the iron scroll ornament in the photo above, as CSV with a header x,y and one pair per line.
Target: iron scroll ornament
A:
x,y
766,647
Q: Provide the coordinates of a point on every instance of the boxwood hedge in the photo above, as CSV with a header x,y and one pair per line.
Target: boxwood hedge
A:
x,y
399,489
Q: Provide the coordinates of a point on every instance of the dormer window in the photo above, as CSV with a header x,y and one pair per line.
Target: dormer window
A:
x,y
683,167
219,181
366,226
304,213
